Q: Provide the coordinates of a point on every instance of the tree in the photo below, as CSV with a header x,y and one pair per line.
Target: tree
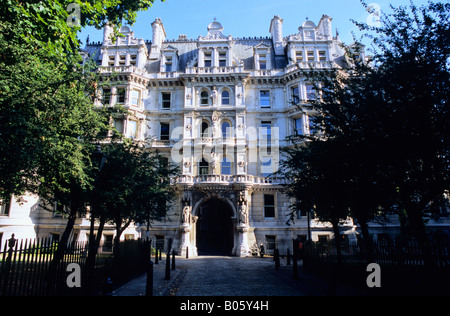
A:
x,y
133,186
46,108
385,124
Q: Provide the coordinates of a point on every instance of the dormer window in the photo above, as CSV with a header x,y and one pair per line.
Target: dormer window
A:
x,y
322,55
111,60
133,60
298,56
311,56
122,60
222,59
262,61
262,57
208,59
169,63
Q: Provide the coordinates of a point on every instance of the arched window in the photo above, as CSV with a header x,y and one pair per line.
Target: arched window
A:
x,y
204,98
204,131
226,130
225,97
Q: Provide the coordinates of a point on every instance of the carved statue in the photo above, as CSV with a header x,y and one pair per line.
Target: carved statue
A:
x,y
214,95
243,213
186,214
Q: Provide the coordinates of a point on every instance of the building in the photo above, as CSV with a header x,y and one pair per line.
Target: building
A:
x,y
220,108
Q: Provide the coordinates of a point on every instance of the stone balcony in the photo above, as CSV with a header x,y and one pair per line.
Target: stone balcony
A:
x,y
214,70
227,180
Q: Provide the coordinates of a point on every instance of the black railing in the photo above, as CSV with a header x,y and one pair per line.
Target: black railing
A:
x,y
26,268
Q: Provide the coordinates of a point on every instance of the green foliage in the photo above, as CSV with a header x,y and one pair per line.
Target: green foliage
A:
x,y
385,143
133,185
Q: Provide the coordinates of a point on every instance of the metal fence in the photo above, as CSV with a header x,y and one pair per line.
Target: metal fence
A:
x,y
25,268
392,253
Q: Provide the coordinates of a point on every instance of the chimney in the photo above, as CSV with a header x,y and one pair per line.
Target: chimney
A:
x,y
107,31
159,36
276,29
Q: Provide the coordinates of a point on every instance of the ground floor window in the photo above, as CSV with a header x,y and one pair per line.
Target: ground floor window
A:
x,y
271,243
159,243
107,243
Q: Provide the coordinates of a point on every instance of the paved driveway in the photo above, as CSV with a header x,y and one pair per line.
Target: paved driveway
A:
x,y
229,276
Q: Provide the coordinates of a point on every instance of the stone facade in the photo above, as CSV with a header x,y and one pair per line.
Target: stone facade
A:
x,y
220,108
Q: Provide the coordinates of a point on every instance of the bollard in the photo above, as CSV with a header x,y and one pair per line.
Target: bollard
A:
x,y
167,275
160,254
288,257
149,283
294,267
173,260
156,256
187,252
277,259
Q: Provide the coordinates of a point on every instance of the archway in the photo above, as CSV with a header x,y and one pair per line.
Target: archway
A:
x,y
215,229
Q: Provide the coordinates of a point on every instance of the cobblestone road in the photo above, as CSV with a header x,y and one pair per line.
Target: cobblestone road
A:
x,y
232,276
229,276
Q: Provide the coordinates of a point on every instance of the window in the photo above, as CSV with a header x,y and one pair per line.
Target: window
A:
x,y
266,133
298,56
166,100
264,98
168,64
226,166
133,60
118,125
311,56
205,130
225,97
262,61
135,97
298,126
310,92
120,96
222,59
295,92
226,130
208,59
271,243
5,207
58,209
269,205
106,96
159,242
111,60
122,60
203,167
107,243
322,55
165,131
204,98
266,166
132,129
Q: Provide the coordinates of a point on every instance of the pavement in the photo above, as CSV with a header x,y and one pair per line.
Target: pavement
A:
x,y
233,276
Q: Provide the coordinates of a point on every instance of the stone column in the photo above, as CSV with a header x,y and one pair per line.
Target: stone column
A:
x,y
242,249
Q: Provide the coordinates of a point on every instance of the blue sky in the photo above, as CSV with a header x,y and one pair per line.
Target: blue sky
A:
x,y
245,18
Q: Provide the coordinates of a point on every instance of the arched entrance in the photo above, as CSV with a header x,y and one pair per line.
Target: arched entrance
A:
x,y
215,229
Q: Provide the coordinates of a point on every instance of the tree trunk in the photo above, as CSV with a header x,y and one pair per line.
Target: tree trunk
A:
x,y
337,239
367,241
59,254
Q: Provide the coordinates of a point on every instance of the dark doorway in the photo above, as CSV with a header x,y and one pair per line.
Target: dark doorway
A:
x,y
215,233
